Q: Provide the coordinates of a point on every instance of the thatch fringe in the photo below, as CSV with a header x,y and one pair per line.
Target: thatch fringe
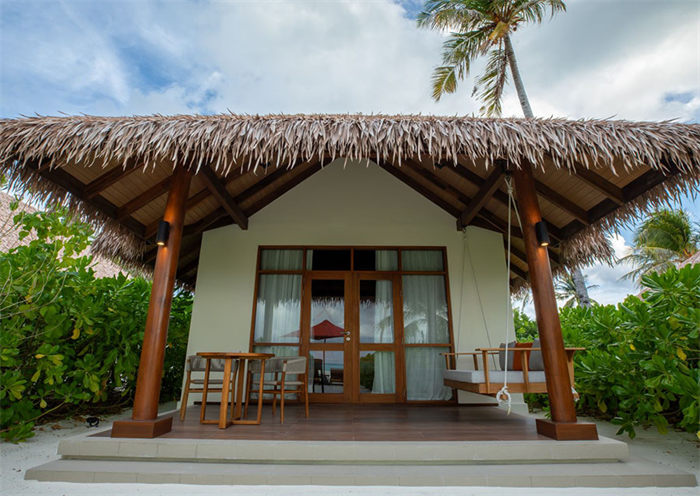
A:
x,y
238,143
112,240
227,142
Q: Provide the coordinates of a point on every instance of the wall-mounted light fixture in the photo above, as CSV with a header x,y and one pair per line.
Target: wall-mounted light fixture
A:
x,y
542,234
163,233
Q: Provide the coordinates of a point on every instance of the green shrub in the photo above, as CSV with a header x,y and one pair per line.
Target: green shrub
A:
x,y
640,366
69,340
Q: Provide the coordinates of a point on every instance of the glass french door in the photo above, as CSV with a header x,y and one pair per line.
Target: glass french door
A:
x,y
327,336
351,337
376,348
372,321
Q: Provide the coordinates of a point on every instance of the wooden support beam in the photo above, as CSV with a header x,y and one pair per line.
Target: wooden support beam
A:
x,y
144,422
144,198
552,343
285,186
486,191
98,185
420,188
631,191
217,189
562,202
600,183
498,195
192,202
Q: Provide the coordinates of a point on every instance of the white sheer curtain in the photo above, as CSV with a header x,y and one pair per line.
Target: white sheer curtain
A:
x,y
281,259
384,368
278,311
425,322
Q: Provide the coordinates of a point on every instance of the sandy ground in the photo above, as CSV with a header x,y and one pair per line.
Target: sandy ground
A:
x,y
676,449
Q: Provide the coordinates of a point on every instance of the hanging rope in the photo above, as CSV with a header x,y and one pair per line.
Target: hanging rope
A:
x,y
504,394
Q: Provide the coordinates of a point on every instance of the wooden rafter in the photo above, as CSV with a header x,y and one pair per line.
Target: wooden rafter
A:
x,y
286,186
215,186
75,188
601,184
420,188
486,191
562,202
140,201
112,176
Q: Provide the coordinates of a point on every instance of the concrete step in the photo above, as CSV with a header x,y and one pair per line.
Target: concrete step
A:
x,y
340,452
633,473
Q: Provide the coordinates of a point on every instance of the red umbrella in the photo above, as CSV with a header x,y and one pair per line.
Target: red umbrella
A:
x,y
323,330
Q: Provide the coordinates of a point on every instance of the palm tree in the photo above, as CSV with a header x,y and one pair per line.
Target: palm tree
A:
x,y
478,28
566,289
484,27
664,239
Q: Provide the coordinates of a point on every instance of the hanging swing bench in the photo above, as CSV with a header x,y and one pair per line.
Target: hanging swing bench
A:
x,y
524,373
521,364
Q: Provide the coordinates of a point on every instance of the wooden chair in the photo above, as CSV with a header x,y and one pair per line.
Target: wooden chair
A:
x,y
281,368
197,364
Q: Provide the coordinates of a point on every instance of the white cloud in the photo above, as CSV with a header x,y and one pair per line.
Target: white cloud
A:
x,y
612,287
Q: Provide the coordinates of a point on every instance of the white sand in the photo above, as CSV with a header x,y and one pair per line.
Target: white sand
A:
x,y
679,450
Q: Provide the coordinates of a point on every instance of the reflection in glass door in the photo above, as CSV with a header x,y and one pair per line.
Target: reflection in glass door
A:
x,y
375,351
328,337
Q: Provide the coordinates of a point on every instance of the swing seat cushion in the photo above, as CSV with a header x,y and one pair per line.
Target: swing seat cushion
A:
x,y
495,376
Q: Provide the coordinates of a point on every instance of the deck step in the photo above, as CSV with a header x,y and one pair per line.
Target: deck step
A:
x,y
633,473
343,452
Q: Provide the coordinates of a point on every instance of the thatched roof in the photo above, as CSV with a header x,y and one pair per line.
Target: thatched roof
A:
x,y
592,175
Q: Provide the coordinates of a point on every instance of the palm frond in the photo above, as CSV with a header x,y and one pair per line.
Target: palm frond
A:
x,y
490,85
537,10
458,52
453,15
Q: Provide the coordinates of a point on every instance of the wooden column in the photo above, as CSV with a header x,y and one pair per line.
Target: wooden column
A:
x,y
144,422
563,424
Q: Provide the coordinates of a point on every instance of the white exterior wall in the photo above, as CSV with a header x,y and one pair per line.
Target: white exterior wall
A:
x,y
356,205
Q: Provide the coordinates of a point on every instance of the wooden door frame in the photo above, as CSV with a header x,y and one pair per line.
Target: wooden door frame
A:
x,y
352,275
396,346
305,345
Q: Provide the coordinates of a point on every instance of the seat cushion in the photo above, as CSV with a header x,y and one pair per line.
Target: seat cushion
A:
x,y
536,361
477,376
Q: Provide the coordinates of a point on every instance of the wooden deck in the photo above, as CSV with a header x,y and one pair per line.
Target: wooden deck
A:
x,y
332,422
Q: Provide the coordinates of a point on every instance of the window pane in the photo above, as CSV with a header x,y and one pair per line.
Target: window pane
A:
x,y
278,308
376,312
424,368
277,350
423,260
327,311
425,310
377,374
326,371
328,259
281,259
376,260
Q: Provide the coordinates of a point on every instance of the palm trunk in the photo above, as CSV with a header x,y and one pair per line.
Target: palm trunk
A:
x,y
519,86
580,285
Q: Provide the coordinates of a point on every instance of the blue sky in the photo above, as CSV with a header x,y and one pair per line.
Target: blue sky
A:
x,y
630,59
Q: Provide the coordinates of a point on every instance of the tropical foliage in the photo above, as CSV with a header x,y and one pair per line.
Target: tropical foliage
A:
x,y
640,366
665,238
70,342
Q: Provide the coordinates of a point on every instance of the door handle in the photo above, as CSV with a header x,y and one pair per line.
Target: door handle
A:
x,y
347,335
